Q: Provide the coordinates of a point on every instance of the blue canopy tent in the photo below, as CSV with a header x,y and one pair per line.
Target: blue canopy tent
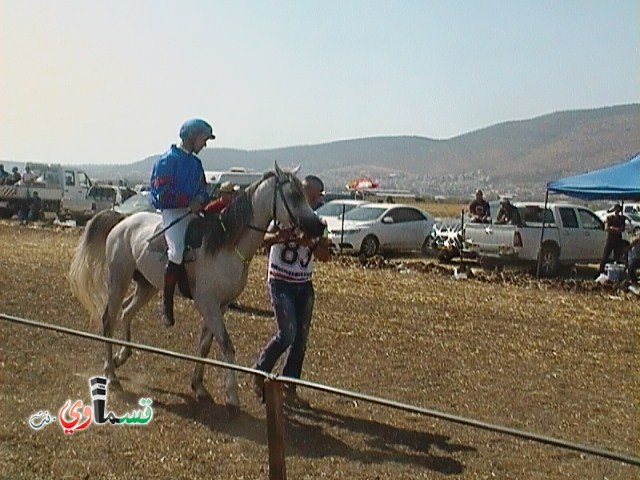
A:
x,y
618,182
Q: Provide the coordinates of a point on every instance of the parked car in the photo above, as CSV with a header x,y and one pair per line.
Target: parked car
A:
x,y
631,208
335,208
634,220
572,234
381,227
57,186
236,175
330,196
98,198
140,202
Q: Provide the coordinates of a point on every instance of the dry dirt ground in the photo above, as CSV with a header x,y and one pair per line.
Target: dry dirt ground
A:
x,y
558,358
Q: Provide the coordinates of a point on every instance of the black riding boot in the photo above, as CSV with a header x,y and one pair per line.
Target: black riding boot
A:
x,y
170,280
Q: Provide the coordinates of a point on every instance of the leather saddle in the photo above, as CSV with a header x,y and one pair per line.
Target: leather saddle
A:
x,y
193,240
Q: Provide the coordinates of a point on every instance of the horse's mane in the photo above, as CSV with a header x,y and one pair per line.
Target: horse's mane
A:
x,y
227,228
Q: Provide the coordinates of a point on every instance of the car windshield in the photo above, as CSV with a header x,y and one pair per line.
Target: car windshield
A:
x,y
365,213
533,214
334,209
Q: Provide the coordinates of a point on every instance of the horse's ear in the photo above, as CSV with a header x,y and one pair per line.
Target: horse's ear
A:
x,y
278,170
296,170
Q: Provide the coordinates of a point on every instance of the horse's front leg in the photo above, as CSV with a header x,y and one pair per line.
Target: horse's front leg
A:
x,y
214,327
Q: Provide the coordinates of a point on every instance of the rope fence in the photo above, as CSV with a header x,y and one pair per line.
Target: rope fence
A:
x,y
277,379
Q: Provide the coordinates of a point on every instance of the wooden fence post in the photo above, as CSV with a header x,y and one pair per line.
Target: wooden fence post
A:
x,y
273,392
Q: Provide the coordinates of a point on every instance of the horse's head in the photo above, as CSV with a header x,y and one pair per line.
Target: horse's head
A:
x,y
290,205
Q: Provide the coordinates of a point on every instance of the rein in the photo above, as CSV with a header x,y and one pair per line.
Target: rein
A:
x,y
278,190
235,248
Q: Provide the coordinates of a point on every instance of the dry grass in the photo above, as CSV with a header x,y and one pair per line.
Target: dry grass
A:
x,y
441,209
525,354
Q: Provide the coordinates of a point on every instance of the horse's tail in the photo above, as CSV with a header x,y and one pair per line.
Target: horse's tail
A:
x,y
88,271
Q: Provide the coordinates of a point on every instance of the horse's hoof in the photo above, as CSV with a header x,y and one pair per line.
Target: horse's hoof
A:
x,y
232,402
120,360
200,391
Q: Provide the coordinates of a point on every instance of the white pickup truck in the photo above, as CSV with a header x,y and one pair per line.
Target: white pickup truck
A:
x,y
572,234
98,198
54,184
66,192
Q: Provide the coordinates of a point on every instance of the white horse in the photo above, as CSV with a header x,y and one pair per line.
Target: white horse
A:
x,y
114,250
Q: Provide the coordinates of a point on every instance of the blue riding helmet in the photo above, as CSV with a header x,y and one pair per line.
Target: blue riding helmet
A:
x,y
195,127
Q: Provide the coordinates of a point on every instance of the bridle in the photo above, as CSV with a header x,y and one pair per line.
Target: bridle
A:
x,y
278,191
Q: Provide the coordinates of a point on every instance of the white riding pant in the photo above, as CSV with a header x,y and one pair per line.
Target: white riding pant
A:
x,y
175,235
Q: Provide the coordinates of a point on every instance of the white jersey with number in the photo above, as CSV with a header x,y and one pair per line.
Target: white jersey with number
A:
x,y
290,262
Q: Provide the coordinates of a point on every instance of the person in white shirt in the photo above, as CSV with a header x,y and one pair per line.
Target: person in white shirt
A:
x,y
292,295
28,177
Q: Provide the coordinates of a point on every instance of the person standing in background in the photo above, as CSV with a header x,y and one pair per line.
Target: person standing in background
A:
x,y
614,227
226,192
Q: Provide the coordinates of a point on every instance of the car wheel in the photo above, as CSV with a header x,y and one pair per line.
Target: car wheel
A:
x,y
549,261
369,246
446,256
427,246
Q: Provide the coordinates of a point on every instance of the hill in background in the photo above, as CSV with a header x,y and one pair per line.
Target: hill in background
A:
x,y
519,157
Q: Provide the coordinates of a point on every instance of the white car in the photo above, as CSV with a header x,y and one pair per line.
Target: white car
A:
x,y
381,227
140,202
631,208
634,219
335,208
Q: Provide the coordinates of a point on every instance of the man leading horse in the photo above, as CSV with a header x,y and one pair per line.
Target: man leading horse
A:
x,y
114,251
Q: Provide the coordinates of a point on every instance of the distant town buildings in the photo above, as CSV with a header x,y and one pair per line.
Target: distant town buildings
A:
x,y
446,186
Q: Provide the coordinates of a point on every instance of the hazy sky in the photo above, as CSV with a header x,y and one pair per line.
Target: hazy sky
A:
x,y
87,81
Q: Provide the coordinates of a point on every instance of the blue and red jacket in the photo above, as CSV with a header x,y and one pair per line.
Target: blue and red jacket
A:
x,y
177,179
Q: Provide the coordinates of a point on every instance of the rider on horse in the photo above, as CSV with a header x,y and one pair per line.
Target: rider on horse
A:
x,y
178,188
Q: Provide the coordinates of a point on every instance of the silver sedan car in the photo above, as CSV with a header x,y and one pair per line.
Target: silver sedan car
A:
x,y
381,227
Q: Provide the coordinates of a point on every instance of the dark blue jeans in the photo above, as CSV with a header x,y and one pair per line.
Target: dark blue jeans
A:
x,y
293,307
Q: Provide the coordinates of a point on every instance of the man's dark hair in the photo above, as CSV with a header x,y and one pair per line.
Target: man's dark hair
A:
x,y
314,180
